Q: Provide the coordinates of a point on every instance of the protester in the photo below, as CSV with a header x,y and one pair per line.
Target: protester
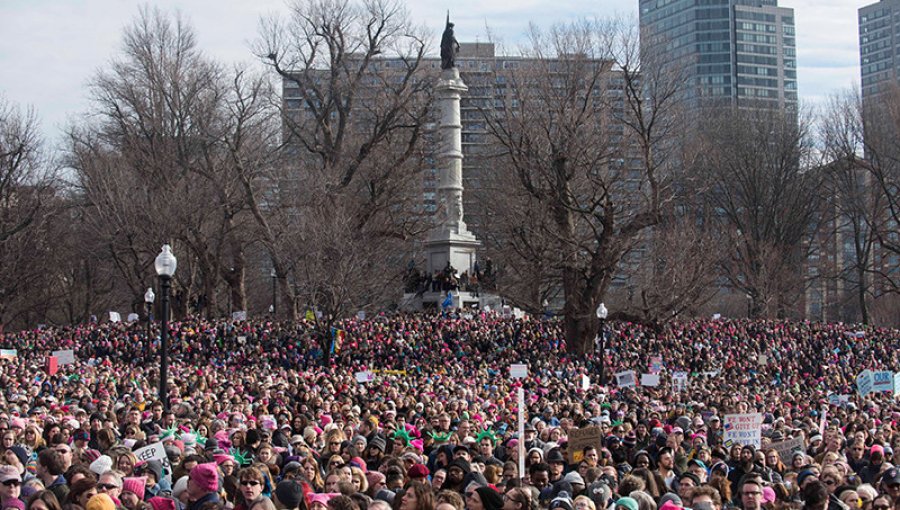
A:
x,y
434,404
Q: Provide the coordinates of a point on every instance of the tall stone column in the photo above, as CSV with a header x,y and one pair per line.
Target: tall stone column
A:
x,y
450,239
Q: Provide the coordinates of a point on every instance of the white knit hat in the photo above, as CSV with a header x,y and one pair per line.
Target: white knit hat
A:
x,y
103,464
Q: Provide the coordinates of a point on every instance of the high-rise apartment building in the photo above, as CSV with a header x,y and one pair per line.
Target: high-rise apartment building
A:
x,y
735,52
879,35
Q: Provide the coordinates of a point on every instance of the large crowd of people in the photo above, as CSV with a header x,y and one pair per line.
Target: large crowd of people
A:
x,y
419,412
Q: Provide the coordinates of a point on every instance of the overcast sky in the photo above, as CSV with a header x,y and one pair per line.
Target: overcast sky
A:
x,y
49,49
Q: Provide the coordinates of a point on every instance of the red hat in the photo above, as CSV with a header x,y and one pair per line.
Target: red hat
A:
x,y
417,471
206,476
135,485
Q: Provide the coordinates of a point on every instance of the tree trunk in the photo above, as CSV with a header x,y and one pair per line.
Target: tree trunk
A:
x,y
581,326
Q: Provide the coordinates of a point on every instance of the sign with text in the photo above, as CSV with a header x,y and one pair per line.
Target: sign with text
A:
x,y
679,381
649,379
786,448
115,317
8,354
364,377
882,381
897,385
240,315
838,400
156,451
864,383
518,371
744,429
626,379
65,357
579,439
656,365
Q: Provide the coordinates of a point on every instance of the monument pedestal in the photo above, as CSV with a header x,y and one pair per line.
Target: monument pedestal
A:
x,y
433,300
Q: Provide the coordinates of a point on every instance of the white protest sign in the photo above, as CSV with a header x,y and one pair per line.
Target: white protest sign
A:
x,y
882,381
132,317
156,451
361,315
864,383
763,359
364,377
518,371
838,400
679,381
626,379
649,379
744,429
64,357
240,315
897,385
115,317
585,382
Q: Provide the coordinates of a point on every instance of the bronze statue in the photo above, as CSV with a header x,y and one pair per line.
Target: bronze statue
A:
x,y
449,46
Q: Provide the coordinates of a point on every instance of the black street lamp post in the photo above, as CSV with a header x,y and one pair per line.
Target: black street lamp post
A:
x,y
149,296
602,312
165,268
274,307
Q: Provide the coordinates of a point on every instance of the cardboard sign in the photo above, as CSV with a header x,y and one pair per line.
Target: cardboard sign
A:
x,y
864,383
518,371
743,429
626,379
580,438
65,357
882,381
8,354
786,448
364,377
651,380
156,451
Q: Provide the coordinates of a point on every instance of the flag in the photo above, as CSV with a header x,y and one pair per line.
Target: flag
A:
x,y
448,302
337,340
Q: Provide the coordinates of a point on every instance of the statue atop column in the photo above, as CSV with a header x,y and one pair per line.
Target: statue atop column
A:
x,y
449,46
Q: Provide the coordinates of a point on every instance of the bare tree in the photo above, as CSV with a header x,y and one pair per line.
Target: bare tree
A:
x,y
156,163
28,201
856,204
357,96
586,132
673,273
764,192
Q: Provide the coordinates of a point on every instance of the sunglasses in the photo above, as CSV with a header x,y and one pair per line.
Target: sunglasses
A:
x,y
12,483
107,486
250,483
